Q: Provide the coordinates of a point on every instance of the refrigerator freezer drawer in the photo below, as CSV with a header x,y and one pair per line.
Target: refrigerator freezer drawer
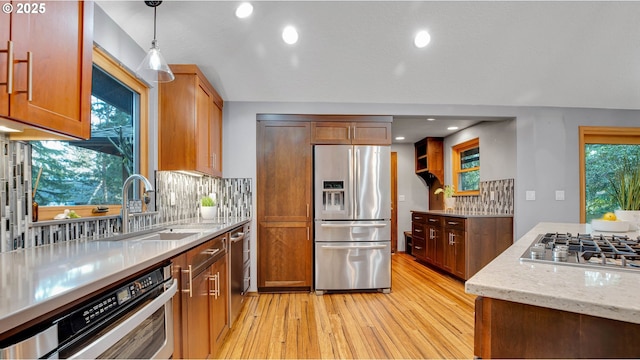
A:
x,y
353,265
353,230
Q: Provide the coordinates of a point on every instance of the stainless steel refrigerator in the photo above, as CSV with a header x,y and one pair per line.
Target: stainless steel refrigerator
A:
x,y
352,212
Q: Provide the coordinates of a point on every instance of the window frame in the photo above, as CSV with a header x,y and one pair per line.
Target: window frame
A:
x,y
456,150
600,135
119,72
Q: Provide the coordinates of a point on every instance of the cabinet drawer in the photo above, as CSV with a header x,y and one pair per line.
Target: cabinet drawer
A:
x,y
454,223
418,217
419,248
433,220
417,230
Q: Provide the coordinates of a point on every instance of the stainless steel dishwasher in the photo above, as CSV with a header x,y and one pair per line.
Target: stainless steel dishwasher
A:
x,y
238,270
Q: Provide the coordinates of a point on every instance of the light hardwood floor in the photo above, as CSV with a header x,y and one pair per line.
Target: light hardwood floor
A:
x,y
426,315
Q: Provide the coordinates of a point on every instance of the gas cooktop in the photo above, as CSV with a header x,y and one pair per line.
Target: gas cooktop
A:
x,y
601,251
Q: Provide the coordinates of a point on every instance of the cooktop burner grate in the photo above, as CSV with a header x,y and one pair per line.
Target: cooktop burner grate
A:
x,y
614,251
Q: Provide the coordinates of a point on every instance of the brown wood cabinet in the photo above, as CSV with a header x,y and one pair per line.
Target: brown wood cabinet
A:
x,y
284,205
53,46
461,245
189,123
351,133
505,329
200,309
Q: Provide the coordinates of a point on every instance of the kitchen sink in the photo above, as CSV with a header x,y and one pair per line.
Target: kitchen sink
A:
x,y
169,235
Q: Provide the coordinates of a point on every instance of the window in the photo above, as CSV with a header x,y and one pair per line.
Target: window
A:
x,y
92,172
466,167
602,151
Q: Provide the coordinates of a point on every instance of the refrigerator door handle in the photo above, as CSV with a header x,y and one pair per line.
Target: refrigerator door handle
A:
x,y
350,247
351,183
352,225
356,182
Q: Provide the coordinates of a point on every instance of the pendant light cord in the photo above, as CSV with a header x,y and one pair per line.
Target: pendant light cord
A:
x,y
155,10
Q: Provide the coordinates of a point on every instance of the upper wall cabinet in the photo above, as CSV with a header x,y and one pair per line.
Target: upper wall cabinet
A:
x,y
190,123
353,132
45,66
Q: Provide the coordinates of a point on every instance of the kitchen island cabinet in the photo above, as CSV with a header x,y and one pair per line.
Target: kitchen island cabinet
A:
x,y
458,243
189,123
539,310
51,54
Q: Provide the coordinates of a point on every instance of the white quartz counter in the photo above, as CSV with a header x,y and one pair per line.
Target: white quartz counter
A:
x,y
462,214
606,293
35,281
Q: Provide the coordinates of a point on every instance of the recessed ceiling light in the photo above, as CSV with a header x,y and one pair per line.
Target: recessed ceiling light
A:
x,y
399,137
422,39
290,35
430,119
244,10
452,128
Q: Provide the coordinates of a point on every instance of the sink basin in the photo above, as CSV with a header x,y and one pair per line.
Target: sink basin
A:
x,y
169,236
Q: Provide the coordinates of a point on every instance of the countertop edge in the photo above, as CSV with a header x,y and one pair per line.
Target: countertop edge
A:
x,y
460,214
44,309
580,290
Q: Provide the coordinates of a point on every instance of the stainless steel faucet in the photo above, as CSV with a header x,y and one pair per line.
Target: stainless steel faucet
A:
x,y
125,198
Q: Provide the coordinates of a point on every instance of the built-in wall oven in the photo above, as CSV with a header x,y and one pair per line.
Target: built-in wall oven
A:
x,y
133,320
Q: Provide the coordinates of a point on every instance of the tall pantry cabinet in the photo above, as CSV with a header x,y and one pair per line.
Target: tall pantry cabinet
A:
x,y
284,211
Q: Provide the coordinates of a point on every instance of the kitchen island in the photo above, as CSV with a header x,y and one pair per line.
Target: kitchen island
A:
x,y
543,310
40,282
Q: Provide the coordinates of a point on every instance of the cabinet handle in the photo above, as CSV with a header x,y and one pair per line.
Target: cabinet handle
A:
x,y
307,211
417,218
216,285
452,222
308,233
433,220
354,132
349,133
190,291
418,230
29,62
9,52
418,247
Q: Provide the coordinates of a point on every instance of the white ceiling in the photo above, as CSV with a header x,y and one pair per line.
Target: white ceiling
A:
x,y
567,54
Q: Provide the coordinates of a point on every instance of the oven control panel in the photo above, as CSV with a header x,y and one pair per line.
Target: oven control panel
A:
x,y
109,304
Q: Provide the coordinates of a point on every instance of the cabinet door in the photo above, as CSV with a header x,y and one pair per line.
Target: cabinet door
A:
x,y
284,255
204,117
371,133
61,42
216,140
331,132
432,234
5,30
219,303
198,339
458,245
284,171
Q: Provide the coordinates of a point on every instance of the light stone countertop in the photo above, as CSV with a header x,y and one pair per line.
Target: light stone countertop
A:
x,y
37,280
461,214
606,293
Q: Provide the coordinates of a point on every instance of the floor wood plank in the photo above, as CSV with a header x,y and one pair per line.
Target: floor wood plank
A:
x,y
426,315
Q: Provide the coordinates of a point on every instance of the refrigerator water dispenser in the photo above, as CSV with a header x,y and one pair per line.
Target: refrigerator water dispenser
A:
x,y
333,195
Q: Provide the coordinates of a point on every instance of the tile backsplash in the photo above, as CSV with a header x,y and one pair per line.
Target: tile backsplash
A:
x,y
502,202
17,232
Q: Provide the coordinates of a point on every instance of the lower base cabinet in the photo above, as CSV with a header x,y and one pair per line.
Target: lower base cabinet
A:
x,y
506,329
201,307
459,245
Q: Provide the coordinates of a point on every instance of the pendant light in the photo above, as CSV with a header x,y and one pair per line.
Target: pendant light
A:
x,y
154,66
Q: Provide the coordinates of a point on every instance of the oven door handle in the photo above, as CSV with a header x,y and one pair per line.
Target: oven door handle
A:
x,y
99,346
